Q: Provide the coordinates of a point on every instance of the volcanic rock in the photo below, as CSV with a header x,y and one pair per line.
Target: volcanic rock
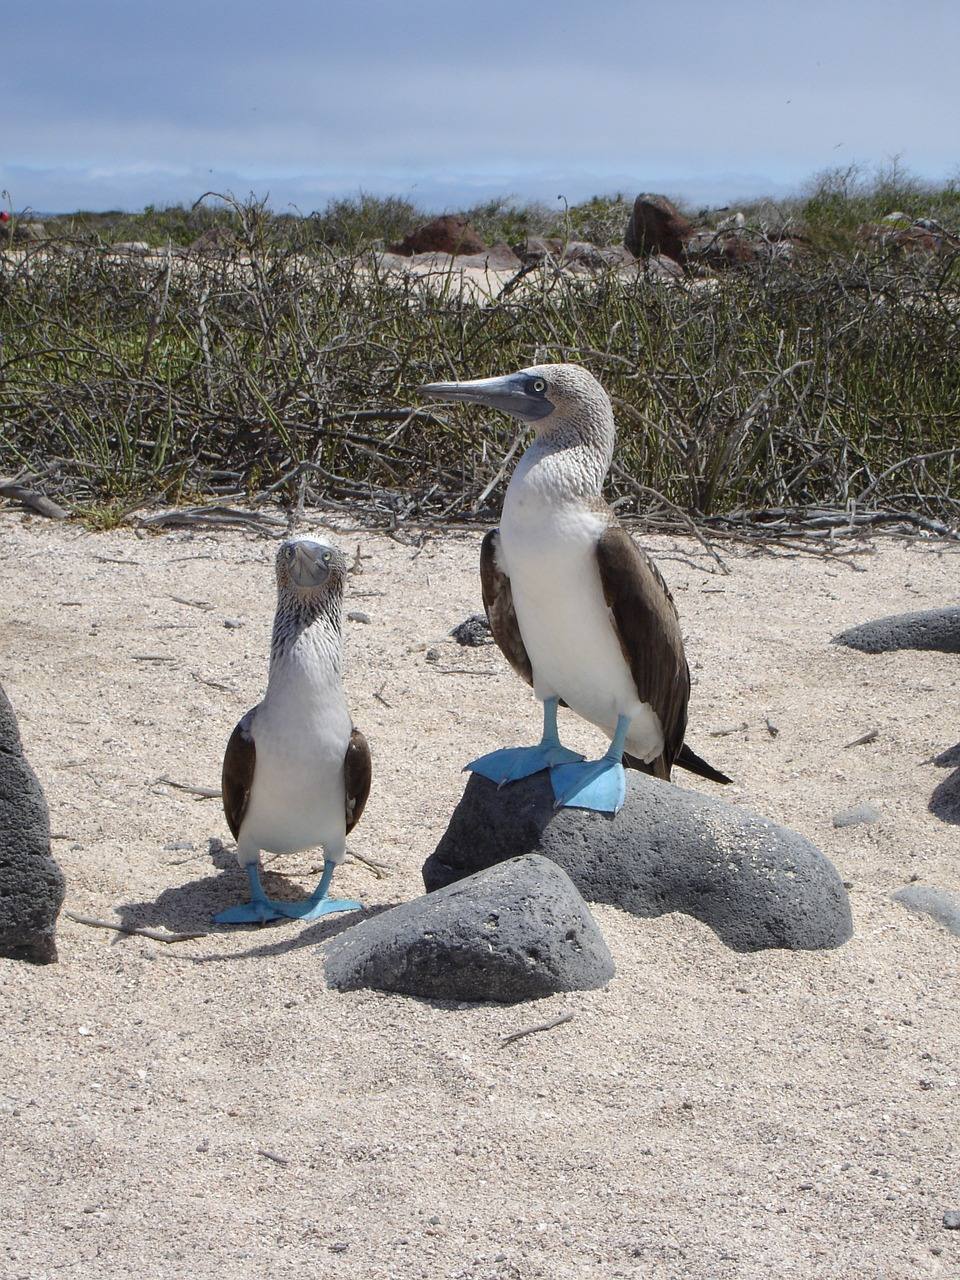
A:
x,y
756,884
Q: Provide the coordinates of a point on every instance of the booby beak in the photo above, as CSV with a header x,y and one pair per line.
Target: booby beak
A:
x,y
310,564
522,395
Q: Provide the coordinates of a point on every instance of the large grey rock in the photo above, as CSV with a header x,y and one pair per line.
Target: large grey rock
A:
x,y
942,905
517,931
925,629
31,883
754,883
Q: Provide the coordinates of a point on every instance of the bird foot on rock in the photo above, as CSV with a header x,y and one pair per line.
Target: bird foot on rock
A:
x,y
595,784
512,763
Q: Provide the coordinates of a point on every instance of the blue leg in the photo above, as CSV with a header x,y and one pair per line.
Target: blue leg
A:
x,y
258,910
511,763
318,904
595,784
261,909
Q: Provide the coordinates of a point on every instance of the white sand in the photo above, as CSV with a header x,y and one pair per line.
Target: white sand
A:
x,y
709,1115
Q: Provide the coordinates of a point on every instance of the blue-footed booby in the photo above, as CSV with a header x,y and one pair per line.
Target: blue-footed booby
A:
x,y
296,773
580,612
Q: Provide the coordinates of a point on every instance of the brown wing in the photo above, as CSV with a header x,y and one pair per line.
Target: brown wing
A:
x,y
498,603
356,776
649,633
239,762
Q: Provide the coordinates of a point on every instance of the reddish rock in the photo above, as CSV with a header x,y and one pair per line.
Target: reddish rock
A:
x,y
656,225
448,234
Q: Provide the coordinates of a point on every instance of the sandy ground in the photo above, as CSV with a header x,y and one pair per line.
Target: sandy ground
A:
x,y
209,1108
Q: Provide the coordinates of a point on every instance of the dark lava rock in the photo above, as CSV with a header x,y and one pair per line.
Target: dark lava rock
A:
x,y
754,883
473,631
31,883
859,815
926,629
517,931
926,900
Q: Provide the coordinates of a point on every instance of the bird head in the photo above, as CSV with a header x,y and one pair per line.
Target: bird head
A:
x,y
306,566
560,391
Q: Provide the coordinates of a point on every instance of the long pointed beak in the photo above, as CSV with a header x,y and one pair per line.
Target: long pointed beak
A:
x,y
309,568
508,394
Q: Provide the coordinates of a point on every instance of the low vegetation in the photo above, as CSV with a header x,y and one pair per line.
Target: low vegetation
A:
x,y
284,368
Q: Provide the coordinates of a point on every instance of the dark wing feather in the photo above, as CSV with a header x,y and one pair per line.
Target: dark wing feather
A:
x,y
239,762
649,633
356,776
498,603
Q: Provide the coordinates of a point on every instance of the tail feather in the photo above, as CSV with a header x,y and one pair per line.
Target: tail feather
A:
x,y
688,759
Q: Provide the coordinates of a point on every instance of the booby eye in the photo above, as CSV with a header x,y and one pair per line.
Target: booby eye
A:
x,y
326,557
538,385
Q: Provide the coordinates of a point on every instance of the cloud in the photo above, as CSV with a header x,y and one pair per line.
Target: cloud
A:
x,y
310,98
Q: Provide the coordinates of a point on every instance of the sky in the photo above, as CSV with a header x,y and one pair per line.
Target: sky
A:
x,y
118,105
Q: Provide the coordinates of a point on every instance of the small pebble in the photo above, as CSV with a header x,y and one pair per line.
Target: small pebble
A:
x,y
951,1219
357,615
432,655
339,1247
232,623
860,814
176,846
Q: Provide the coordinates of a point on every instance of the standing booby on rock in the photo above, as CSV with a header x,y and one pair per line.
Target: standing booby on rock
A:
x,y
578,609
296,773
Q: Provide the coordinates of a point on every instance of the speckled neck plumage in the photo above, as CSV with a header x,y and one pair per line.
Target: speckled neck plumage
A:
x,y
573,455
307,623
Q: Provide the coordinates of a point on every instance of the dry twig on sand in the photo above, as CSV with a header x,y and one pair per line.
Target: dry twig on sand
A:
x,y
540,1026
158,935
202,793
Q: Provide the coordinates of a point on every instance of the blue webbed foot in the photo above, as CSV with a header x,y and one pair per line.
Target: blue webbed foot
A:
x,y
259,911
511,763
595,784
313,908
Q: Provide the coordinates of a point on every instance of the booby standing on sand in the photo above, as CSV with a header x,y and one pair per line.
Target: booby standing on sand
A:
x,y
296,773
578,609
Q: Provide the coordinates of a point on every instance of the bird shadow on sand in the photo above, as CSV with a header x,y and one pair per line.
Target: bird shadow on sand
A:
x,y
945,801
190,908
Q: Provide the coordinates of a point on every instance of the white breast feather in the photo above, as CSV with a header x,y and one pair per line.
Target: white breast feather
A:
x,y
548,550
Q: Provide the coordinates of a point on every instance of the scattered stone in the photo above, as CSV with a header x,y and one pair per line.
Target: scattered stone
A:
x,y
357,615
656,225
659,266
214,240
951,1219
756,884
859,815
535,249
499,257
448,234
179,846
926,629
515,931
21,232
31,883
473,631
942,905
232,624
